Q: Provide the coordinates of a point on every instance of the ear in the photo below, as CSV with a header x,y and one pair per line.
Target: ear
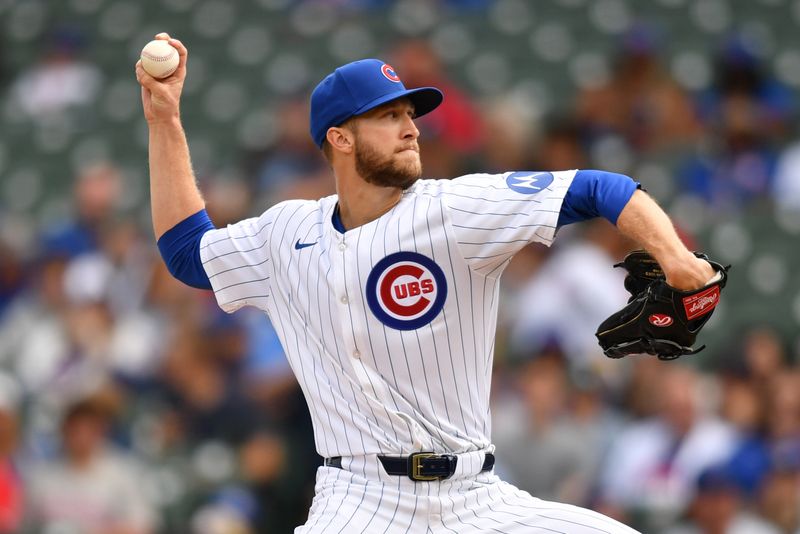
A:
x,y
341,139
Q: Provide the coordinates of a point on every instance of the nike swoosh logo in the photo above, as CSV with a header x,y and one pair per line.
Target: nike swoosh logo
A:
x,y
300,245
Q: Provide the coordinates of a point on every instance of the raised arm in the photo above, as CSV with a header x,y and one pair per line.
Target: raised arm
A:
x,y
174,195
646,223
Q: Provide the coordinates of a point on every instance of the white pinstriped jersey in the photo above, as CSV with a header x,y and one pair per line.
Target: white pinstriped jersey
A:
x,y
390,326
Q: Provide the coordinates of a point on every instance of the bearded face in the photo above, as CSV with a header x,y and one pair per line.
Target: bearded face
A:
x,y
400,168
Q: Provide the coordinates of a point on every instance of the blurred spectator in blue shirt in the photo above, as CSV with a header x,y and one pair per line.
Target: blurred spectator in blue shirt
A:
x,y
97,192
717,508
745,112
743,80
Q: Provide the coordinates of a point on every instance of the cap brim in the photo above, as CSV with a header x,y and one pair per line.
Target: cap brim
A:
x,y
424,99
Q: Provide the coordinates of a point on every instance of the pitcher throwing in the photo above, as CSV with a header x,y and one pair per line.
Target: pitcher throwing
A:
x,y
385,299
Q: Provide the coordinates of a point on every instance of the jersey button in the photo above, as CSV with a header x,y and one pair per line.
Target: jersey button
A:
x,y
356,353
343,300
342,246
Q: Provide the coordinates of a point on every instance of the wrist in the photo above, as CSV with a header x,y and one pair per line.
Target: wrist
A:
x,y
675,263
173,121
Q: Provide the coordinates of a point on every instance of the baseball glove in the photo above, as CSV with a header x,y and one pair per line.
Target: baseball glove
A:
x,y
659,319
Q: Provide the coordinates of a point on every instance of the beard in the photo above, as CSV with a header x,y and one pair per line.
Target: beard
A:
x,y
385,171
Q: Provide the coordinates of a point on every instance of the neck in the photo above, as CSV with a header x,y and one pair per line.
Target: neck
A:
x,y
361,202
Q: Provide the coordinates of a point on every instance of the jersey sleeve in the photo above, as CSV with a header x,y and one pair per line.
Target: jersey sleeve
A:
x,y
237,261
495,215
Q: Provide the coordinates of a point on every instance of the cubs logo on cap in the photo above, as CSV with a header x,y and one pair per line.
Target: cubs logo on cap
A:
x,y
406,290
358,87
529,183
389,72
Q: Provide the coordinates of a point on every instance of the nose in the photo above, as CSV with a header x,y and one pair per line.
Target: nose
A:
x,y
410,130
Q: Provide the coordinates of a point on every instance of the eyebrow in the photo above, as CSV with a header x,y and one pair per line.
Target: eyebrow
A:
x,y
396,104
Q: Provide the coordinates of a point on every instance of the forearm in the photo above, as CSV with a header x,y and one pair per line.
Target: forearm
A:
x,y
174,195
646,223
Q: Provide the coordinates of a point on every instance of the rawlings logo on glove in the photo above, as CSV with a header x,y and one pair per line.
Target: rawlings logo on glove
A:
x,y
659,319
702,303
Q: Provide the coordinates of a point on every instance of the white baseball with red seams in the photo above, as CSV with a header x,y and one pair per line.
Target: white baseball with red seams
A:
x,y
159,58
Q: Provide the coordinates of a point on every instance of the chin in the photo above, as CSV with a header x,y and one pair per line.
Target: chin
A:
x,y
410,160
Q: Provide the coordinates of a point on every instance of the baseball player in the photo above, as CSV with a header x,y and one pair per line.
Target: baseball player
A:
x,y
385,299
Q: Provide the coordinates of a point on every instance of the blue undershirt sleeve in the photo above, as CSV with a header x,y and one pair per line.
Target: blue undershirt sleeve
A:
x,y
180,248
596,194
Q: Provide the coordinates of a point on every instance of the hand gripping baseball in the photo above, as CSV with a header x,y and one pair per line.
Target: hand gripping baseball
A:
x,y
161,97
659,319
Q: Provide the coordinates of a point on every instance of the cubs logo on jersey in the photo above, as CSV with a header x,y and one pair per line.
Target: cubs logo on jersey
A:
x,y
406,290
527,182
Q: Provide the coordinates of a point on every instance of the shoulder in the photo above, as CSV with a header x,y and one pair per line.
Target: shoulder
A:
x,y
289,209
509,184
437,187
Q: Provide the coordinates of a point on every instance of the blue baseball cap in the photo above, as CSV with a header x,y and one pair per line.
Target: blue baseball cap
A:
x,y
358,87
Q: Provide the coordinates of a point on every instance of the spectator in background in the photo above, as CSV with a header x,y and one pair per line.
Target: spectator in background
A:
x,y
96,193
60,82
90,487
69,355
35,315
783,412
737,167
454,133
546,437
12,499
230,511
654,463
717,508
641,102
509,137
743,81
561,146
779,500
763,354
746,111
743,407
197,386
292,166
12,275
786,185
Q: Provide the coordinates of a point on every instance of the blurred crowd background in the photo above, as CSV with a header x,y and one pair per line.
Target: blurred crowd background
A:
x,y
130,404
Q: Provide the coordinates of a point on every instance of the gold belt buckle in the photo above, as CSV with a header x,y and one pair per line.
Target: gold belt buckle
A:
x,y
415,466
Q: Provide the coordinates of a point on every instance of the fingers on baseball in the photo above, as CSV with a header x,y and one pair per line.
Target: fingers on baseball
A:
x,y
143,78
183,55
179,47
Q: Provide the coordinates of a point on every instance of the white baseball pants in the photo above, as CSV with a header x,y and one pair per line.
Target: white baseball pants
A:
x,y
361,497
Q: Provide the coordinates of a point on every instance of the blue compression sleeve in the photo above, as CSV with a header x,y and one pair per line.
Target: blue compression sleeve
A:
x,y
596,194
180,248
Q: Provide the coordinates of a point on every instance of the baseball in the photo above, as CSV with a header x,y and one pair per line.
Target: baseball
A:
x,y
159,58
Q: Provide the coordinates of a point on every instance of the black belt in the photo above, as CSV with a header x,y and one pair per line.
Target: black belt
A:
x,y
420,466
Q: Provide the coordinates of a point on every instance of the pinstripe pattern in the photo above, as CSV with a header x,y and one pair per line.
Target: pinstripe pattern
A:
x,y
378,383
347,502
